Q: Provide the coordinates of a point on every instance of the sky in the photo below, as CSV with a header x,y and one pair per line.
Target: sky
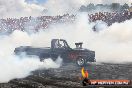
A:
x,y
41,1
36,1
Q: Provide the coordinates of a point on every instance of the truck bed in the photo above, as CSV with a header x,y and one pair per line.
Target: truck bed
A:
x,y
32,50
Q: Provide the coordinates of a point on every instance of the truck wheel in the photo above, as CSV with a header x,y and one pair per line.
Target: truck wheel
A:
x,y
81,61
42,59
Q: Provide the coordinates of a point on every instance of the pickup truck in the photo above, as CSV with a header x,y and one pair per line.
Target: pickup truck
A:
x,y
60,48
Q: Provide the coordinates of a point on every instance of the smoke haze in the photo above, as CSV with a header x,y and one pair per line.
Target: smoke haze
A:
x,y
12,66
20,8
56,7
111,44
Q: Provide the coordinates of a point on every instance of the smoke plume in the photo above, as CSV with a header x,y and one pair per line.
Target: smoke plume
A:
x,y
112,44
12,66
21,8
60,7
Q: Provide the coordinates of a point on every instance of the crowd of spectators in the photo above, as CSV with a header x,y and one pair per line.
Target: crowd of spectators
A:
x,y
8,25
110,17
34,24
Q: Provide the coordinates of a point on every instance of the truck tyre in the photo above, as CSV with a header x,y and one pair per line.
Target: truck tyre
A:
x,y
81,61
41,57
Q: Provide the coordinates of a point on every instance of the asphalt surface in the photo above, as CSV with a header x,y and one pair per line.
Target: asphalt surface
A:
x,y
68,76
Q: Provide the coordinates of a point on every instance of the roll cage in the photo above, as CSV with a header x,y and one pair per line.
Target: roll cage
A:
x,y
59,43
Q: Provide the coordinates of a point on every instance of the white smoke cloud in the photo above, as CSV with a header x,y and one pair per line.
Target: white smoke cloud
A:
x,y
113,44
12,66
56,7
19,8
60,7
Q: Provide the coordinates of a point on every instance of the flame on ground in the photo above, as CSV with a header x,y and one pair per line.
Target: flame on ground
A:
x,y
84,73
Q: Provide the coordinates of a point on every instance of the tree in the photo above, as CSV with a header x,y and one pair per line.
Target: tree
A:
x,y
115,6
125,6
83,8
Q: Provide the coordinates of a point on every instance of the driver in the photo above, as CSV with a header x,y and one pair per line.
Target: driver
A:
x,y
60,45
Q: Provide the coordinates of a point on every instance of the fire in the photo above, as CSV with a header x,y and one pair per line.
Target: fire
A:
x,y
84,73
86,81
